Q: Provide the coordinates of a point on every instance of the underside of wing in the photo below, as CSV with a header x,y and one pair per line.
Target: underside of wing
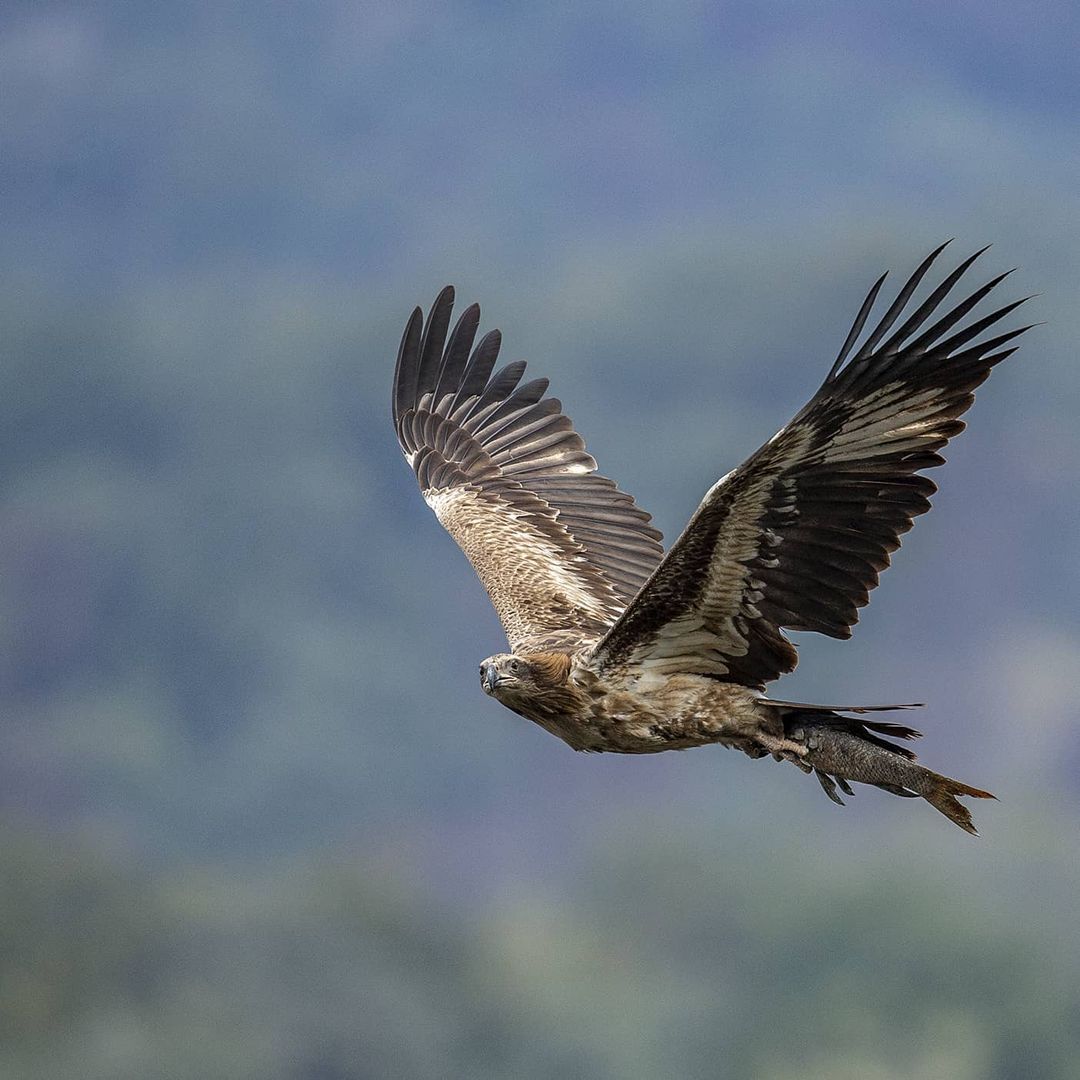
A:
x,y
797,536
560,549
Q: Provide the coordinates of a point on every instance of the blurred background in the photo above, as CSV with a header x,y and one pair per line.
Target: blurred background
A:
x,y
256,818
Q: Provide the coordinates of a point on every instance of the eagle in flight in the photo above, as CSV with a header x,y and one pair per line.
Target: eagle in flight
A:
x,y
616,646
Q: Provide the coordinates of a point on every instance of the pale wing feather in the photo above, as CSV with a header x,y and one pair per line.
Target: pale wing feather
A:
x,y
536,577
559,548
797,536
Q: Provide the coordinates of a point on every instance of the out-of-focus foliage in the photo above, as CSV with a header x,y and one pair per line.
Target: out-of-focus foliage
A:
x,y
258,819
660,961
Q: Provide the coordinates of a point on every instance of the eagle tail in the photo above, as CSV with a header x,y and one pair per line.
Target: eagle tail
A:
x,y
774,702
795,713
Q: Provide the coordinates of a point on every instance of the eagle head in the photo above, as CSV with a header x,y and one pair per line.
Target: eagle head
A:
x,y
505,673
507,676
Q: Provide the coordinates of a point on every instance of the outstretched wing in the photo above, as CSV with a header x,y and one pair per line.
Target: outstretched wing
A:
x,y
559,548
797,535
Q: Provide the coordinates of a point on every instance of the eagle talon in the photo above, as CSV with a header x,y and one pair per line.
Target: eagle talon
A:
x,y
786,750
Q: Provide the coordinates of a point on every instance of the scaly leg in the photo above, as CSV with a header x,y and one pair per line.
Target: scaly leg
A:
x,y
785,749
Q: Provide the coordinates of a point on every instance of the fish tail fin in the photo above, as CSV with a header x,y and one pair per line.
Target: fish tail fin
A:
x,y
941,793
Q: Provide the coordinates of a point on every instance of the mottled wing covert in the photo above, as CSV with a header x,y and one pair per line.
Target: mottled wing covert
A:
x,y
797,535
559,548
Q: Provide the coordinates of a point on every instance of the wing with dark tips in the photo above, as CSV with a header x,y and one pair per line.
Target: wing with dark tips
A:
x,y
560,549
797,536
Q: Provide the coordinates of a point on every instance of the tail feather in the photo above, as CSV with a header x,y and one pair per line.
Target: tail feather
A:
x,y
942,797
794,713
896,731
829,714
776,703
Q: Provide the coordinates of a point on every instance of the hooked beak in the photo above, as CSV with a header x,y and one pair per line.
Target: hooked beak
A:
x,y
491,678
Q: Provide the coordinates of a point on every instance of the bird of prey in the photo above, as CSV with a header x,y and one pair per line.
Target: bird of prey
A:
x,y
616,646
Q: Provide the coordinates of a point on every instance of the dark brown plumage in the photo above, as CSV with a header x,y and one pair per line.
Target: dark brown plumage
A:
x,y
617,647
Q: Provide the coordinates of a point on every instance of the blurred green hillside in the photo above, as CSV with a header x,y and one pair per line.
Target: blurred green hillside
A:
x,y
256,817
776,958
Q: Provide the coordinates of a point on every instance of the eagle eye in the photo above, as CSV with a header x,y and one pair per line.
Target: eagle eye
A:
x,y
516,666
